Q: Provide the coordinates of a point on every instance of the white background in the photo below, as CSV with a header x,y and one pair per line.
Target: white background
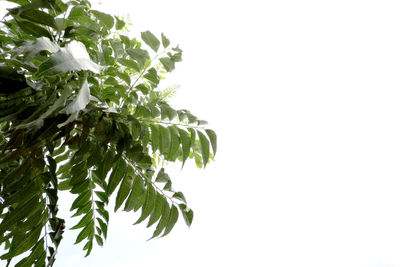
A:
x,y
304,97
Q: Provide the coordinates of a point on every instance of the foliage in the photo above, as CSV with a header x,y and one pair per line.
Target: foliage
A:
x,y
81,110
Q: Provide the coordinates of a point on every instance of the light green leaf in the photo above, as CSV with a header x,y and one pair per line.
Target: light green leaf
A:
x,y
151,40
72,57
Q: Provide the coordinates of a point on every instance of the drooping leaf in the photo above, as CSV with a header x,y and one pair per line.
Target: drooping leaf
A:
x,y
173,218
185,140
204,147
148,205
162,223
156,214
123,191
118,173
213,139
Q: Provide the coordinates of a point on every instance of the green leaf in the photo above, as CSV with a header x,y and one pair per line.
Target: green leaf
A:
x,y
165,140
156,214
213,139
162,177
149,204
173,218
99,240
175,142
81,200
151,40
35,15
105,19
123,191
141,56
84,220
185,140
29,240
120,24
152,76
88,230
72,57
119,172
135,195
155,136
168,64
103,226
187,214
180,196
166,210
165,40
204,147
33,29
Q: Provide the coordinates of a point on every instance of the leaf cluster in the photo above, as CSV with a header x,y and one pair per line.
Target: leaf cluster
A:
x,y
81,111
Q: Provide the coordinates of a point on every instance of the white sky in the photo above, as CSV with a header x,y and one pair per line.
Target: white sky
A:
x,y
304,97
